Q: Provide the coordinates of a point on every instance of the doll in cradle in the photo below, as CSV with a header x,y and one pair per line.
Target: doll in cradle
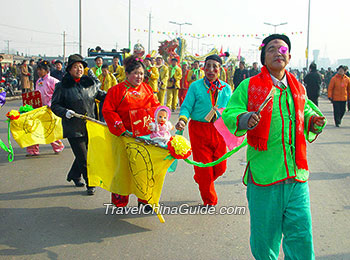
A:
x,y
162,126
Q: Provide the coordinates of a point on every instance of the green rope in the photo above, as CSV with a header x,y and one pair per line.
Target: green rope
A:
x,y
228,154
4,147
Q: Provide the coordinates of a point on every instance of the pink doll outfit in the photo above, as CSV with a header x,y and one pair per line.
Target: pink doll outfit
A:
x,y
161,132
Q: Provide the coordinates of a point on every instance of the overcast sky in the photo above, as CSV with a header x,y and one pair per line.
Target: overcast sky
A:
x,y
105,23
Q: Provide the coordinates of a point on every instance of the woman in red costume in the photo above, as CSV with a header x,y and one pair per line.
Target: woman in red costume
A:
x,y
131,94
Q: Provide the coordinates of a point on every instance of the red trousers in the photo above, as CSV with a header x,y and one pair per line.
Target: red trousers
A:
x,y
207,146
122,201
182,95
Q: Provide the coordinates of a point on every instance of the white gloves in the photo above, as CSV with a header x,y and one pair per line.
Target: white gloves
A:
x,y
69,114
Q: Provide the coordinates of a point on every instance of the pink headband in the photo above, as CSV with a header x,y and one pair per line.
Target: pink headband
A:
x,y
139,59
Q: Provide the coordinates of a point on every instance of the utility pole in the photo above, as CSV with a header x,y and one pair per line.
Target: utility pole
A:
x,y
308,37
180,24
8,46
198,38
64,46
129,24
149,32
276,25
80,33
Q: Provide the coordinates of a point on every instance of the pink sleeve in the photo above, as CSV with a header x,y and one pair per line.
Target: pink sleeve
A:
x,y
51,89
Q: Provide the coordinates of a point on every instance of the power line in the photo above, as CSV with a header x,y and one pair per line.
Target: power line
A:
x,y
26,29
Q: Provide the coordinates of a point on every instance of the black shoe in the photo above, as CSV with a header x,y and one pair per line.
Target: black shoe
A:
x,y
77,182
148,208
90,190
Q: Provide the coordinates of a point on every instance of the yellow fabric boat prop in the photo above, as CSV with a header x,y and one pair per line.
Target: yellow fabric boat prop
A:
x,y
38,126
126,166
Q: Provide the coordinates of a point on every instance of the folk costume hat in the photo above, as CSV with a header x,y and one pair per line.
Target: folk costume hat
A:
x,y
214,57
44,65
271,38
73,59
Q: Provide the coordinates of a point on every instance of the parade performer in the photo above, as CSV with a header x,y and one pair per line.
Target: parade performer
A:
x,y
46,86
107,79
230,74
162,126
223,73
131,94
151,75
175,75
184,83
203,98
338,94
117,70
195,73
163,79
97,70
76,94
272,108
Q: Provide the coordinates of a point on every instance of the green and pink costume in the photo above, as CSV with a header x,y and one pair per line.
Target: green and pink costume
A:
x,y
277,170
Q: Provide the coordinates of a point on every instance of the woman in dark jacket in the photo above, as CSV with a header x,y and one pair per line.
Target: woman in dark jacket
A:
x,y
76,94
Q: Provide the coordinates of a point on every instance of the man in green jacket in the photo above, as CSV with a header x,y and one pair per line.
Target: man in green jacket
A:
x,y
273,110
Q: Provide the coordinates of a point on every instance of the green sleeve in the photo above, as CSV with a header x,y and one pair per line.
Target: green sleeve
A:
x,y
311,110
236,107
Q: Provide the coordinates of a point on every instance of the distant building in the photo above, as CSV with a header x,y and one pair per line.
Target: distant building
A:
x,y
324,63
343,62
8,58
316,54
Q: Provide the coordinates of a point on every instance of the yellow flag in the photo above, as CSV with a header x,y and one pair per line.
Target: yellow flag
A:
x,y
125,166
39,126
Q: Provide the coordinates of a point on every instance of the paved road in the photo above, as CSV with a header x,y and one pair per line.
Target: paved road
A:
x,y
44,217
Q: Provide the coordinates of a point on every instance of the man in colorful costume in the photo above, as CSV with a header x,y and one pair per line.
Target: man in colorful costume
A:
x,y
277,170
230,74
151,75
117,70
97,70
163,79
203,97
184,83
107,79
195,74
175,76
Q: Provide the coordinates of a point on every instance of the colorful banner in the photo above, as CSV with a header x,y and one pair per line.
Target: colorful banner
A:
x,y
39,126
32,98
125,166
228,35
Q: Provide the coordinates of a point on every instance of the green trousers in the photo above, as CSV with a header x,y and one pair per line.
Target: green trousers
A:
x,y
276,210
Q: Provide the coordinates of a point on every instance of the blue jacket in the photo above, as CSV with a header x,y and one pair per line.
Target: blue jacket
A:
x,y
197,103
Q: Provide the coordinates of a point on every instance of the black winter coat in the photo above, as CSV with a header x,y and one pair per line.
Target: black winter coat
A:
x,y
312,83
239,76
58,74
79,97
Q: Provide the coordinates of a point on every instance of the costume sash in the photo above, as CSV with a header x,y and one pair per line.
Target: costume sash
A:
x,y
259,87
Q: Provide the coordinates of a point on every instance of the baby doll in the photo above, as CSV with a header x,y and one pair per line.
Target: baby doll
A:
x,y
162,126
